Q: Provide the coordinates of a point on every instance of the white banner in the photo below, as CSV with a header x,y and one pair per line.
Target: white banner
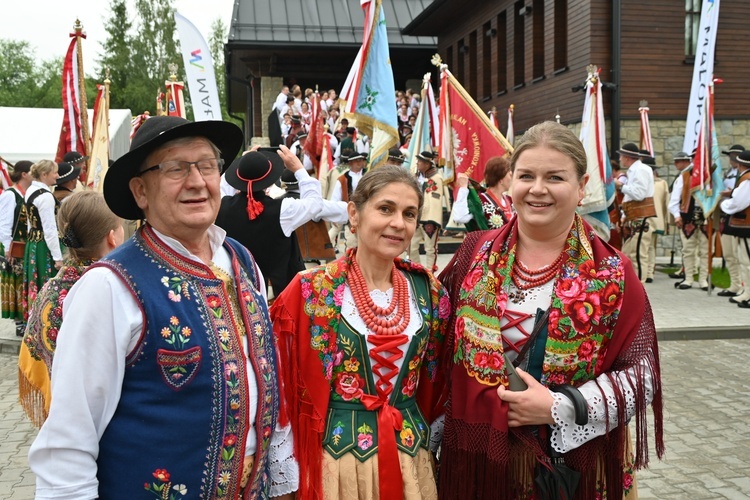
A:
x,y
703,71
199,68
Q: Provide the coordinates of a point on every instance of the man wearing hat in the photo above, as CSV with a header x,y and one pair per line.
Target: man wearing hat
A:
x,y
638,207
728,247
431,219
298,150
661,197
345,186
165,369
396,157
296,129
266,225
67,180
691,222
738,225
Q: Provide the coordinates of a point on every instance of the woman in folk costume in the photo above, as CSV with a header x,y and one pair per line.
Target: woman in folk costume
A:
x,y
489,209
361,342
546,294
89,231
43,254
13,228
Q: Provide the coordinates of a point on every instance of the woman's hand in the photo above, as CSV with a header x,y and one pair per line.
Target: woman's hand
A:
x,y
58,264
530,407
290,160
462,180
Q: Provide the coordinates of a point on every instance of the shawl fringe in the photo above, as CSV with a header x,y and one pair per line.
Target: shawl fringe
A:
x,y
32,400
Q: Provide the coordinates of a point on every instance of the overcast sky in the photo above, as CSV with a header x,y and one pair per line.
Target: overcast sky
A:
x,y
46,24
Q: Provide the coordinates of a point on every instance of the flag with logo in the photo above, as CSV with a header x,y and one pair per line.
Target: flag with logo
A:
x,y
73,136
467,137
600,190
314,144
199,70
369,88
99,161
175,98
706,179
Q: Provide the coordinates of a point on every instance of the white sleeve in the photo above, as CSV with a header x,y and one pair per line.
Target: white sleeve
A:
x,y
295,213
566,435
284,470
334,212
461,212
336,195
46,206
739,201
675,197
637,186
7,211
102,324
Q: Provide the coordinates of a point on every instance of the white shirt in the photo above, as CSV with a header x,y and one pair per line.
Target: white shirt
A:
x,y
7,212
295,213
87,376
675,197
46,206
739,200
334,212
640,183
226,188
280,102
337,194
730,179
461,212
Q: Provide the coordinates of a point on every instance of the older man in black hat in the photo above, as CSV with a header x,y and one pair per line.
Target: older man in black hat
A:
x,y
165,375
67,180
265,225
659,223
638,207
728,246
691,222
396,157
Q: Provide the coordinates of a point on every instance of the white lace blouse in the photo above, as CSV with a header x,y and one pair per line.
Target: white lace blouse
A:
x,y
599,393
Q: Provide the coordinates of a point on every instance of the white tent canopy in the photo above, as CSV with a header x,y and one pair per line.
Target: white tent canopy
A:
x,y
33,133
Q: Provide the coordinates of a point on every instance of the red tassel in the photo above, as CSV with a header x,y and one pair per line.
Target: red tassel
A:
x,y
254,207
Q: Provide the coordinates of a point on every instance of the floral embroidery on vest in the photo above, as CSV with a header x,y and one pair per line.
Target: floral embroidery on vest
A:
x,y
163,488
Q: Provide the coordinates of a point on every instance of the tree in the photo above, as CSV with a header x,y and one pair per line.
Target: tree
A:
x,y
17,73
117,56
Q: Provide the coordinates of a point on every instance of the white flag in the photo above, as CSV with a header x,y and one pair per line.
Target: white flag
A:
x,y
199,68
703,71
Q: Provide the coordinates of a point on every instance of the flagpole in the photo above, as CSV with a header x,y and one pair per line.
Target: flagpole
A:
x,y
78,27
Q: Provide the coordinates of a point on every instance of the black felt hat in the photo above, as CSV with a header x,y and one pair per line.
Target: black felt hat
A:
x,y
427,156
73,157
396,154
256,170
682,156
66,172
744,158
288,178
630,149
356,156
155,132
734,149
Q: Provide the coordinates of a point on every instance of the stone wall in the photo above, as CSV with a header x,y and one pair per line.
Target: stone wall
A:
x,y
269,89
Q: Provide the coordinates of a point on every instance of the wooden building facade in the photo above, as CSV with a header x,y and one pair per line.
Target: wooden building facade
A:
x,y
534,53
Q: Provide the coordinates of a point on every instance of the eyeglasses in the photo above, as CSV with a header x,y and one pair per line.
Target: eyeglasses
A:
x,y
180,169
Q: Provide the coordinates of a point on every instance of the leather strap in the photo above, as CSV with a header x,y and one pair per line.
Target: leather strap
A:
x,y
579,403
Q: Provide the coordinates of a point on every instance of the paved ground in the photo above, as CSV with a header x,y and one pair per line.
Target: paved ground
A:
x,y
707,389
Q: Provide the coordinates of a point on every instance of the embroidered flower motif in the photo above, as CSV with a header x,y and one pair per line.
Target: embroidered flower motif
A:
x,y
407,437
224,478
583,312
173,296
174,321
338,430
230,369
364,441
410,384
351,365
175,335
444,307
224,335
180,488
349,385
586,350
496,221
161,487
186,331
230,439
161,475
414,363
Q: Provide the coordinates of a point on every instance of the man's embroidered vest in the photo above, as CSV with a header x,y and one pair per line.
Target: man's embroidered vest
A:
x,y
183,416
351,428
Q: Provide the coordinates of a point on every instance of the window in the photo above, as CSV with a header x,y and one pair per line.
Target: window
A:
x,y
502,52
692,25
461,60
488,33
561,34
538,33
519,45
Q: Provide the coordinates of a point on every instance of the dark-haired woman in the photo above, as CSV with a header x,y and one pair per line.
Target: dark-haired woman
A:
x,y
360,343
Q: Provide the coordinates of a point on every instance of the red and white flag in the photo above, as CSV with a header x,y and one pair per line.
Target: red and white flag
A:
x,y
72,136
493,117
314,143
175,100
5,182
136,123
468,138
428,95
646,142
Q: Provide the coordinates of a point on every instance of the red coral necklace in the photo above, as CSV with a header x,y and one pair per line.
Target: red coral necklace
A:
x,y
532,279
374,316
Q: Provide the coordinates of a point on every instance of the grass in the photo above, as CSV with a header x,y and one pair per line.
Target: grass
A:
x,y
719,275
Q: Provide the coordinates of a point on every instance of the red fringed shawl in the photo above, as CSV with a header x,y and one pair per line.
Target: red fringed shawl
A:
x,y
305,318
600,322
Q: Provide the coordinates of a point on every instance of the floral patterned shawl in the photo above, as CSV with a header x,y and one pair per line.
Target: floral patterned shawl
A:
x,y
599,322
305,318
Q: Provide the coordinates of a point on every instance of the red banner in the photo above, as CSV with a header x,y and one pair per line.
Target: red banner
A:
x,y
314,144
468,138
71,132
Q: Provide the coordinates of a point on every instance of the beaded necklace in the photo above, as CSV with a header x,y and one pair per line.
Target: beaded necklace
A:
x,y
374,316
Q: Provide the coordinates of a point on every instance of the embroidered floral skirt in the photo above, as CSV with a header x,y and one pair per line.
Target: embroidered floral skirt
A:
x,y
349,479
38,268
11,290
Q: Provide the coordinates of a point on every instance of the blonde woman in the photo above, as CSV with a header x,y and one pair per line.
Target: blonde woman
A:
x,y
43,251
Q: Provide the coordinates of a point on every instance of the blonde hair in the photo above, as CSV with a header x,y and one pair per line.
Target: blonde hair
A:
x,y
42,167
84,220
555,136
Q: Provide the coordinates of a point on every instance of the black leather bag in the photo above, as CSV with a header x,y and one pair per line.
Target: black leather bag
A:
x,y
554,480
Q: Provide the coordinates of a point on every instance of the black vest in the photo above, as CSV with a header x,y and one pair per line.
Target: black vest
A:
x,y
277,256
